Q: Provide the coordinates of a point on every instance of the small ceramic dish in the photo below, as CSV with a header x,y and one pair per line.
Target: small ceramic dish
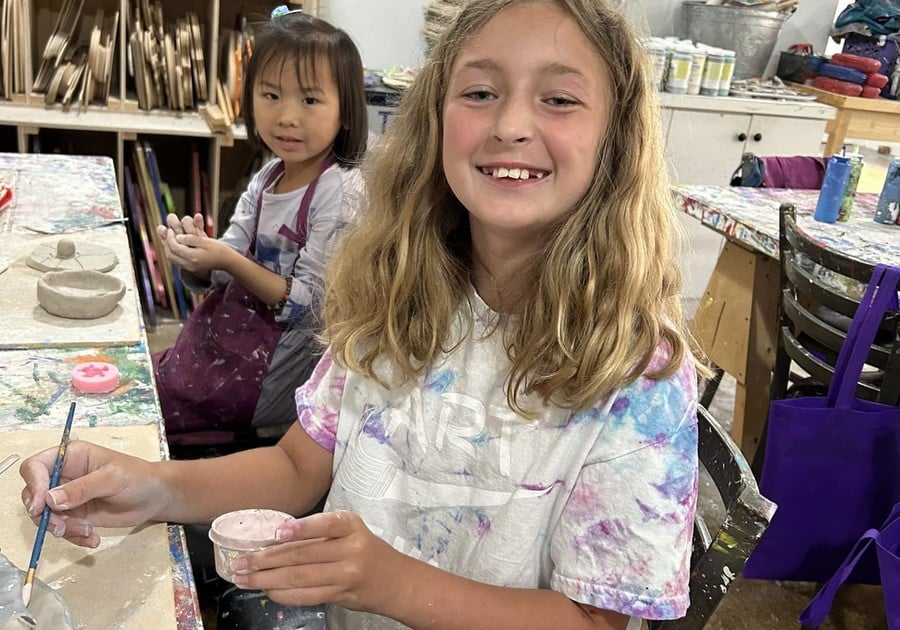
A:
x,y
79,294
241,531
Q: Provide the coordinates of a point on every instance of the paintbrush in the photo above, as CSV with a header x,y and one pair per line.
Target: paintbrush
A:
x,y
45,516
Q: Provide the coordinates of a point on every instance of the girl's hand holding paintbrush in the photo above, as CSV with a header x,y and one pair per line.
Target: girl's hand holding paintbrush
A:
x,y
98,487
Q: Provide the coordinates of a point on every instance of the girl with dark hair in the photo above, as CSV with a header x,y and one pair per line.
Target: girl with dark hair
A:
x,y
234,368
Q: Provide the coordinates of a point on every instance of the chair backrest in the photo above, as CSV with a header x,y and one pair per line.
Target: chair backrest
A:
x,y
821,289
716,560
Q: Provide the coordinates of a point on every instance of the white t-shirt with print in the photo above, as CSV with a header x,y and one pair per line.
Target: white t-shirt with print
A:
x,y
595,504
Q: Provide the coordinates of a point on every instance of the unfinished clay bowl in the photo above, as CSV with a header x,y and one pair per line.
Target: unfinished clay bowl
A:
x,y
79,294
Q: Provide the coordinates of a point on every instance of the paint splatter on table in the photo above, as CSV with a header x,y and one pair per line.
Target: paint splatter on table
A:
x,y
750,217
55,194
60,194
36,388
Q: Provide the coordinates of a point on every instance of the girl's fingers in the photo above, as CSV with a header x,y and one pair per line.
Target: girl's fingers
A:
x,y
322,525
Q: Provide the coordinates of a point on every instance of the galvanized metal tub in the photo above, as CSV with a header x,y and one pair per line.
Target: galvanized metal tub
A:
x,y
750,33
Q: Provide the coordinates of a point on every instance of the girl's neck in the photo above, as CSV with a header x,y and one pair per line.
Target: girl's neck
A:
x,y
499,285
299,174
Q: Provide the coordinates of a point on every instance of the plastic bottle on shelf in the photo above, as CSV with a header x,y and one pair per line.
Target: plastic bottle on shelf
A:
x,y
679,70
712,72
728,60
659,61
837,172
695,77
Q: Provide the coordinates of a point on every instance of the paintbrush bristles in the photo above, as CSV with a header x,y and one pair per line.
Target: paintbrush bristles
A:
x,y
26,588
45,515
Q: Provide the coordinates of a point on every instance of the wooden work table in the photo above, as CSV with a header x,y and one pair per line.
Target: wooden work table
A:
x,y
858,118
736,319
139,578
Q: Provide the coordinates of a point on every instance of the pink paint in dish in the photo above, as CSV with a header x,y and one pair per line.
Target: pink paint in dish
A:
x,y
95,377
241,531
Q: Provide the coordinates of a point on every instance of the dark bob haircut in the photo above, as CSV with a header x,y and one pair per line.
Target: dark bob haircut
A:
x,y
301,38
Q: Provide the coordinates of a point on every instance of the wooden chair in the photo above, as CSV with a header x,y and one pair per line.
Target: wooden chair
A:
x,y
820,294
716,561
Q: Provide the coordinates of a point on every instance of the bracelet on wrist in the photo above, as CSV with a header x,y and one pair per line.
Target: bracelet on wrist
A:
x,y
279,305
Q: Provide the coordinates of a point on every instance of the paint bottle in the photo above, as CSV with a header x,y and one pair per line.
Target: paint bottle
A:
x,y
695,77
889,200
856,165
679,71
659,62
837,172
712,72
728,60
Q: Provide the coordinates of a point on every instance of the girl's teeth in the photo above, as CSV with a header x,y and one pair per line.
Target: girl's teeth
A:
x,y
515,173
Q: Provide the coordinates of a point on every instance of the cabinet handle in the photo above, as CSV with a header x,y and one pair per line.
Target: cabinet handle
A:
x,y
741,137
757,137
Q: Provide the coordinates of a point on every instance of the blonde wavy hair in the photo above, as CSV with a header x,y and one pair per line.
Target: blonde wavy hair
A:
x,y
603,293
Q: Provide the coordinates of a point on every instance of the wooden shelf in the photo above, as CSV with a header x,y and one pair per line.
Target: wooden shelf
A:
x,y
99,118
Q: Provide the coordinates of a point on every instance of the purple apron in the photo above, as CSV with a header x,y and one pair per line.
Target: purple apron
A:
x,y
209,382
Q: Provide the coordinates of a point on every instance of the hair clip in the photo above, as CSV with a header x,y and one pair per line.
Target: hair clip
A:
x,y
281,10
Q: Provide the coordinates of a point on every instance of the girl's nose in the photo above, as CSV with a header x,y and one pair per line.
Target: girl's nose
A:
x,y
288,116
515,121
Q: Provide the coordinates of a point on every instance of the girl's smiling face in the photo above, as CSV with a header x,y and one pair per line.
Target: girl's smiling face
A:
x,y
525,113
297,116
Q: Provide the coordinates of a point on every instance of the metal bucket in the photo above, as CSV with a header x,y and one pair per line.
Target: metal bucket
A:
x,y
750,33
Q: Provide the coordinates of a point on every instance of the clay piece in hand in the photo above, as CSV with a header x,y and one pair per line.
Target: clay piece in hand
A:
x,y
79,294
67,255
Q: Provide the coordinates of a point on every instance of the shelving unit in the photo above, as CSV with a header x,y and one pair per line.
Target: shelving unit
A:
x,y
24,116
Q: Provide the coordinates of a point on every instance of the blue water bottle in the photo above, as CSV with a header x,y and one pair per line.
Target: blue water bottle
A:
x,y
836,175
889,201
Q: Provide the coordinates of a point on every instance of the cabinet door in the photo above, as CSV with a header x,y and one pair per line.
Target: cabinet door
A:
x,y
773,135
704,147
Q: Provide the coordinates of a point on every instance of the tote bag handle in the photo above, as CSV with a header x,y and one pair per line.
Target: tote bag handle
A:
x,y
819,606
880,295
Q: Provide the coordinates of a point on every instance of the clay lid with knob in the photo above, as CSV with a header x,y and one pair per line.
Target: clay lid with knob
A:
x,y
67,255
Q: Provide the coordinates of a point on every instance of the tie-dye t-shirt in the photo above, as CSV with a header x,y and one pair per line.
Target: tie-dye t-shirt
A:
x,y
595,504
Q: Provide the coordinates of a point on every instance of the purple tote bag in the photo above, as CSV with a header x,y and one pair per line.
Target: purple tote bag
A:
x,y
887,542
832,464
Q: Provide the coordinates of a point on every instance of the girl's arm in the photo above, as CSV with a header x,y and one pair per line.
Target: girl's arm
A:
x,y
106,488
291,476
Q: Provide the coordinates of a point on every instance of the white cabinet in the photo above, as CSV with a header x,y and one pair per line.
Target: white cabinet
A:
x,y
707,136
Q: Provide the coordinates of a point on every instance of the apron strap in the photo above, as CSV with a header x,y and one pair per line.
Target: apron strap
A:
x,y
298,234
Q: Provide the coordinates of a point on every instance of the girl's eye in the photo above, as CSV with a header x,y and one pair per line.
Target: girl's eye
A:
x,y
310,100
561,101
270,96
479,95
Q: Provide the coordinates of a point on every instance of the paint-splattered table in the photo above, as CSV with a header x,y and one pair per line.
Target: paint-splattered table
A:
x,y
736,319
77,195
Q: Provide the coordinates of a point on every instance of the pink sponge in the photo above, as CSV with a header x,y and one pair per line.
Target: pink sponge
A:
x,y
95,377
